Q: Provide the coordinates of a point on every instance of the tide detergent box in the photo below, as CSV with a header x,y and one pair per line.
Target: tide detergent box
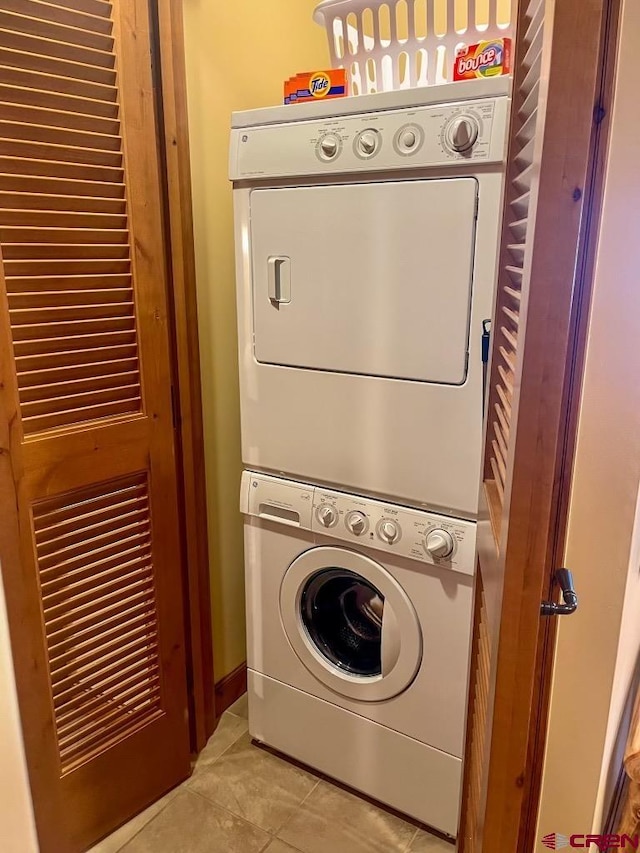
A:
x,y
484,59
316,85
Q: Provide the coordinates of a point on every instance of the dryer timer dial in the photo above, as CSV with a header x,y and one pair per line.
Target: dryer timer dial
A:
x,y
462,133
329,146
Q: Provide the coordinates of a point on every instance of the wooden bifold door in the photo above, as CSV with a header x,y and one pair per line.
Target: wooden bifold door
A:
x,y
551,208
89,536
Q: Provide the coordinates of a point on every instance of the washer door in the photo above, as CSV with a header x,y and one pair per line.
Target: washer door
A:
x,y
350,623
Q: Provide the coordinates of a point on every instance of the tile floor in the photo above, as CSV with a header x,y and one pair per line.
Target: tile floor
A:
x,y
242,799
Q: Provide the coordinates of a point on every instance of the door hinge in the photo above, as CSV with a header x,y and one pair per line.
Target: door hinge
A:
x,y
599,113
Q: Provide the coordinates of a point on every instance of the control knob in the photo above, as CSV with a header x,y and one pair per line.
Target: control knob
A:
x,y
357,523
327,515
463,133
368,142
439,543
329,146
408,138
389,531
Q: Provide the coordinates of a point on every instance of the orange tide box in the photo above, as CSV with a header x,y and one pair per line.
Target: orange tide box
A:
x,y
316,85
484,59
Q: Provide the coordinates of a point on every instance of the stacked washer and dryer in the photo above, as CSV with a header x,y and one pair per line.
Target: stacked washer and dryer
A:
x,y
367,233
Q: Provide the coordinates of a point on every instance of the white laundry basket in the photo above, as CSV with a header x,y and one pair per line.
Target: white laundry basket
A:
x,y
397,44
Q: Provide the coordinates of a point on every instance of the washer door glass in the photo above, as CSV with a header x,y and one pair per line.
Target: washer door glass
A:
x,y
343,615
350,623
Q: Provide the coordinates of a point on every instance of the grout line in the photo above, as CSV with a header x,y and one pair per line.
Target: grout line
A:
x,y
412,839
233,814
175,792
309,794
293,814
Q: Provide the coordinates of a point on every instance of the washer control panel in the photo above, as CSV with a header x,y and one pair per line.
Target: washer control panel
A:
x,y
419,137
411,533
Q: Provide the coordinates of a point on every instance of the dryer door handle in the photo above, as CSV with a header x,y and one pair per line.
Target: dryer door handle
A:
x,y
279,279
390,641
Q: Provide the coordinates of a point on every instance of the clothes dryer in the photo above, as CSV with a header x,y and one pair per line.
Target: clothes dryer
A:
x,y
367,233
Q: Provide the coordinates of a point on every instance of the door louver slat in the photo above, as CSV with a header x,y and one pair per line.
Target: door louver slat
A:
x,y
51,100
63,45
53,185
87,121
26,79
72,17
56,169
27,59
73,584
101,8
29,21
10,235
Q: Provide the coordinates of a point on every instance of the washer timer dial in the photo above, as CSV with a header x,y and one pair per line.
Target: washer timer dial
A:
x,y
439,543
327,515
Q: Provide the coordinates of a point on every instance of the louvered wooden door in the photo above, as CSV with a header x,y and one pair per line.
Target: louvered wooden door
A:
x,y
88,503
534,380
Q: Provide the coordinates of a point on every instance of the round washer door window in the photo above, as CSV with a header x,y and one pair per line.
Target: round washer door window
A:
x,y
351,623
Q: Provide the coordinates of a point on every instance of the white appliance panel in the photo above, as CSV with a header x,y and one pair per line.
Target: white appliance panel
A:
x,y
296,148
400,771
378,277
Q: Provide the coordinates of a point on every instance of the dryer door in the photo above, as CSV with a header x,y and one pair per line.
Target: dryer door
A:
x,y
351,623
372,279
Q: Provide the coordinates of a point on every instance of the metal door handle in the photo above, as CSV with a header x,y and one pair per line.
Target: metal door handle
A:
x,y
279,276
564,579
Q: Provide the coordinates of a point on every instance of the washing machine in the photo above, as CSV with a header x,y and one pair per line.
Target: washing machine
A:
x,y
367,234
359,618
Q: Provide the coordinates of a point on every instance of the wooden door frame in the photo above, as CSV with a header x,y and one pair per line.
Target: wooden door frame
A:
x,y
173,135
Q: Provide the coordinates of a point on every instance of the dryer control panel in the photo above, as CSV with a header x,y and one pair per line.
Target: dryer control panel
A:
x,y
452,134
417,535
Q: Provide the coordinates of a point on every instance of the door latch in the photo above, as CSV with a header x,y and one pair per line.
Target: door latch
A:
x,y
486,346
564,579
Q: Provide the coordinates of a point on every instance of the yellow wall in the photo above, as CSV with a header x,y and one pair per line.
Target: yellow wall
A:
x,y
598,649
238,54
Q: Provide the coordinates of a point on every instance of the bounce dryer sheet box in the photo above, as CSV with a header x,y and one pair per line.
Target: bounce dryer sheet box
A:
x,y
316,85
484,59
